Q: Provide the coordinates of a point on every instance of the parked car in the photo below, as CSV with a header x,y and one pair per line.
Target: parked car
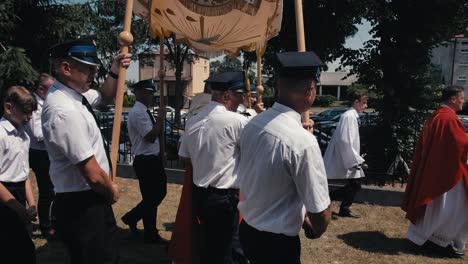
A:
x,y
464,120
366,119
328,114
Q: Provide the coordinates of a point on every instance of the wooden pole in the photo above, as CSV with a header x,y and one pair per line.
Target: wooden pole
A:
x,y
259,87
125,40
300,41
162,103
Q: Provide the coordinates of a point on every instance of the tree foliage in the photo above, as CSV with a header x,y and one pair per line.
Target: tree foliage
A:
x,y
397,63
226,64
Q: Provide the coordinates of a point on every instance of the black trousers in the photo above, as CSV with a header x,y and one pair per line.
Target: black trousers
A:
x,y
262,247
216,210
16,245
40,163
86,224
346,193
153,187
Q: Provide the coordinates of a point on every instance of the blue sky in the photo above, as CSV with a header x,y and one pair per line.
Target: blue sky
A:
x,y
355,42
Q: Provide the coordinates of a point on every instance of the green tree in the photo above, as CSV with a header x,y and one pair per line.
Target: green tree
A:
x,y
29,28
227,64
397,62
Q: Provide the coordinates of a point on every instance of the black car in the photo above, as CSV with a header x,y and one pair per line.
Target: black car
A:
x,y
328,114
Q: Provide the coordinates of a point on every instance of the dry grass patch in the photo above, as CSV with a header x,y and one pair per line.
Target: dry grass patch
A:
x,y
378,237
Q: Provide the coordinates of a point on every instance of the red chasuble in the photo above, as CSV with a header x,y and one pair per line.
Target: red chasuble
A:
x,y
181,248
439,162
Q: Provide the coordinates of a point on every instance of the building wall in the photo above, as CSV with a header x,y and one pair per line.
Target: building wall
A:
x,y
453,61
460,70
201,72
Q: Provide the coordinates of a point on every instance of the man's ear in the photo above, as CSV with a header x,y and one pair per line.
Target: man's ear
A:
x,y
8,108
226,95
65,68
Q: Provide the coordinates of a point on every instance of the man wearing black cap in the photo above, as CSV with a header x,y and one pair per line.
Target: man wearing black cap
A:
x,y
144,132
79,166
281,173
210,143
257,107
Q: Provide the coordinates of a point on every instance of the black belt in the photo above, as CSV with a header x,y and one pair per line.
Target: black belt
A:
x,y
13,184
67,195
212,189
147,156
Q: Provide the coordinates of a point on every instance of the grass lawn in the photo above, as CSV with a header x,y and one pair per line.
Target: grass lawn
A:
x,y
378,237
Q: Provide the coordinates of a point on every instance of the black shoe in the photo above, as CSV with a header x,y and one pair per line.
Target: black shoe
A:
x,y
334,216
49,234
131,225
348,213
156,239
450,252
446,252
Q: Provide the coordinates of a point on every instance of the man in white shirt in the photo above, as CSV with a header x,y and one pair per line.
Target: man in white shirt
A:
x,y
210,143
39,159
281,173
343,158
257,107
79,166
144,132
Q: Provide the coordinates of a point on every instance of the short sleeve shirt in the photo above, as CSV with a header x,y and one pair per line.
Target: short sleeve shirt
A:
x,y
71,135
14,153
34,126
211,141
139,125
281,172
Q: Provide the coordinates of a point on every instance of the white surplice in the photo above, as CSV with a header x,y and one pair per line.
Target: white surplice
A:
x,y
343,151
445,220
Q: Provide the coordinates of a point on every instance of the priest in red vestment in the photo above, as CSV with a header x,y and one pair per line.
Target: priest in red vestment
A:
x,y
436,197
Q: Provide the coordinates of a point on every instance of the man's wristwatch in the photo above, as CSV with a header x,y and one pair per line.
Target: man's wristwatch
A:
x,y
113,75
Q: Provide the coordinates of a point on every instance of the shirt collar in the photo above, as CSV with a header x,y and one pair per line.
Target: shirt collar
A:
x,y
68,91
215,105
287,111
140,105
9,127
39,100
355,112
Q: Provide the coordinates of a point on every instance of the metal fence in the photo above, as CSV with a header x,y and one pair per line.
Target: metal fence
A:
x,y
172,134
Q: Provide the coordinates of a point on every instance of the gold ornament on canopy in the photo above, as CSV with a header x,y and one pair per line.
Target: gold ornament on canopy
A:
x,y
214,27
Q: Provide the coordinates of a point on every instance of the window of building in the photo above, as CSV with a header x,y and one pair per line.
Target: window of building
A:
x,y
206,69
464,47
464,63
461,78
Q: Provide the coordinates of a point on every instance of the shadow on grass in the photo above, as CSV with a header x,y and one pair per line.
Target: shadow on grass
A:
x,y
377,242
131,250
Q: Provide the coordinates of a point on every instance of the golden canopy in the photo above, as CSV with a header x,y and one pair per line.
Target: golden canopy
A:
x,y
214,27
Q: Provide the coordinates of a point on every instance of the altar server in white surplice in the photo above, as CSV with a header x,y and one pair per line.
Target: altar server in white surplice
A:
x,y
343,159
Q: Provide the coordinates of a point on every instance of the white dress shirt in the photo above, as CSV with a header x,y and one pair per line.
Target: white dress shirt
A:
x,y
34,126
14,148
281,172
343,151
211,142
71,135
139,124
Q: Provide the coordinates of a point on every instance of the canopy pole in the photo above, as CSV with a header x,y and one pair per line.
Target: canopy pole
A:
x,y
259,87
125,41
301,42
162,103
